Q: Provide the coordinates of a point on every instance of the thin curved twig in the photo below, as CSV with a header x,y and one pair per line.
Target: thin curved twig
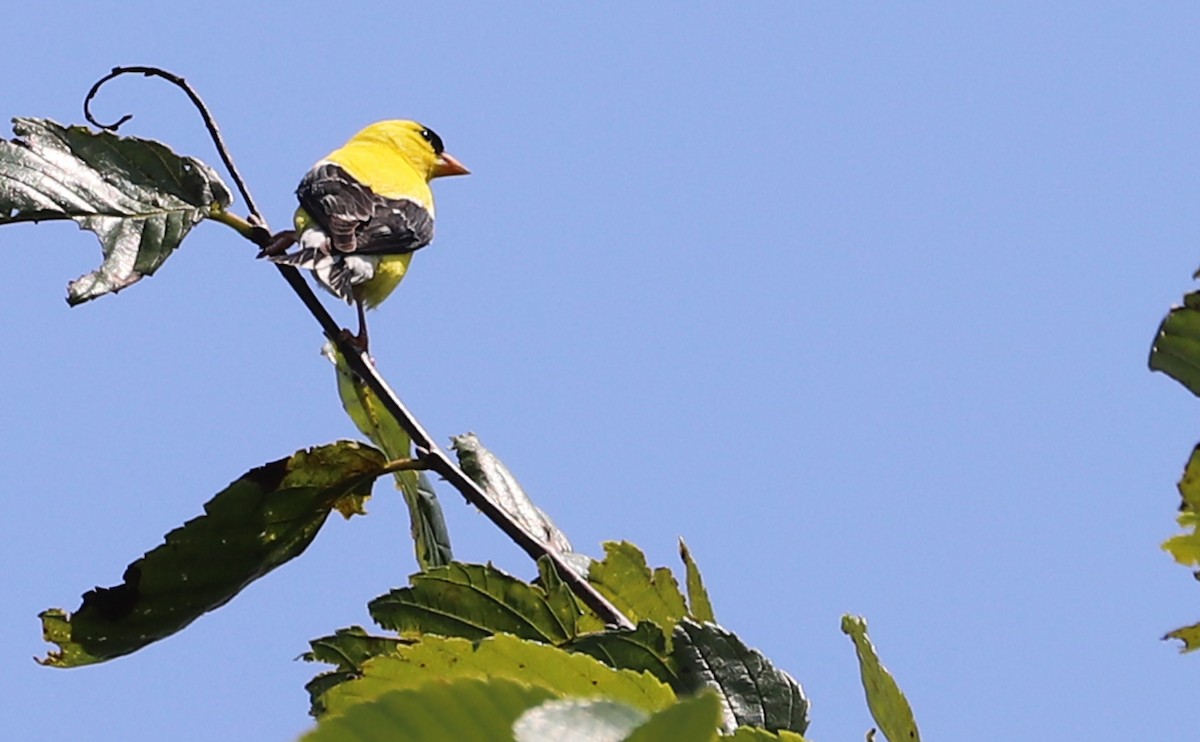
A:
x,y
209,122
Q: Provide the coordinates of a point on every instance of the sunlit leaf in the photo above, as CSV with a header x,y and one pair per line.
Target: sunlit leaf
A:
x,y
586,720
431,539
753,691
1189,635
463,709
888,705
264,519
625,579
440,659
694,719
140,198
699,606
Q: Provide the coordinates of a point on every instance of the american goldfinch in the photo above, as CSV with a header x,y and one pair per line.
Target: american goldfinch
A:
x,y
364,209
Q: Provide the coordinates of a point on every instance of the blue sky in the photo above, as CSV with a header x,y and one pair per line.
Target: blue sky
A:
x,y
855,298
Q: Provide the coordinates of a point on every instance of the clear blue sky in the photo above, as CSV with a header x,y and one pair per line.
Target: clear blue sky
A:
x,y
857,299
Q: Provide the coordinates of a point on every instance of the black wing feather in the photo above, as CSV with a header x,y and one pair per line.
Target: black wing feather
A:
x,y
357,219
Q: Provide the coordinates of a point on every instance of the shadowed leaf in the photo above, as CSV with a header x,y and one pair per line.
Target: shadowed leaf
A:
x,y
502,488
474,601
140,198
264,519
645,648
753,691
1176,347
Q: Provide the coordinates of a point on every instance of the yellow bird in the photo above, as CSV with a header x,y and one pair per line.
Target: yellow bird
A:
x,y
364,209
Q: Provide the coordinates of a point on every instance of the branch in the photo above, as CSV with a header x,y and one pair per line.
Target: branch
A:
x,y
209,122
428,454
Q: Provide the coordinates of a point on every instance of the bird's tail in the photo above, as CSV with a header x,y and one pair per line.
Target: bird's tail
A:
x,y
315,254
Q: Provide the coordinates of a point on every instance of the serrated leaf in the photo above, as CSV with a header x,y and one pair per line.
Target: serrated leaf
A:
x,y
645,649
699,606
502,488
464,709
1176,347
754,734
753,691
441,659
349,648
579,720
473,601
1189,635
888,705
431,538
265,518
138,197
625,579
694,719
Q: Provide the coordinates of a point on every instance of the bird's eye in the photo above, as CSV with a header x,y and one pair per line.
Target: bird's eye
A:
x,y
434,140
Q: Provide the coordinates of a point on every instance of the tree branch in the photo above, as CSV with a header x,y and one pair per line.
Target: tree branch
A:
x,y
428,454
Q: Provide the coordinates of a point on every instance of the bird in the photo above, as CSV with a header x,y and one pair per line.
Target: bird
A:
x,y
365,208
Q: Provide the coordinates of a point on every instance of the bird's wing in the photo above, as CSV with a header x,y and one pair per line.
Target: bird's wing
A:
x,y
357,219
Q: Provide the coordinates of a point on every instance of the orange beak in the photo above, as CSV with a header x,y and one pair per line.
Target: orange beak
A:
x,y
447,165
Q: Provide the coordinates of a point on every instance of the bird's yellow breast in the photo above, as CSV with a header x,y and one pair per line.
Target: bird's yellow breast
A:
x,y
389,271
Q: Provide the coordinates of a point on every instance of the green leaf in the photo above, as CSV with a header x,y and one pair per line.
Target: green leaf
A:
x,y
431,538
752,690
463,709
1176,347
754,734
1189,635
442,659
645,649
502,488
888,705
625,579
140,198
474,601
265,518
694,719
699,606
577,719
1185,548
349,648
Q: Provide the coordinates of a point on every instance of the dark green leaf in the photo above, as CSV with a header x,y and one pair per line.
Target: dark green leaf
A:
x,y
502,488
645,648
753,691
265,518
474,601
349,648
699,606
431,538
139,197
464,709
1176,348
888,705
